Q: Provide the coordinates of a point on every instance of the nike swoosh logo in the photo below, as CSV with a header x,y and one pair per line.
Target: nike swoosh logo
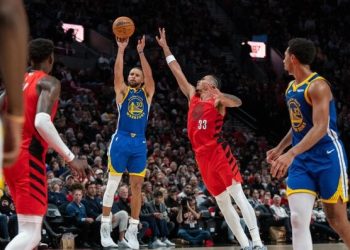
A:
x,y
330,151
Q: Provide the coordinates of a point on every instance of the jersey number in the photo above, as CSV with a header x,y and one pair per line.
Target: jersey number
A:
x,y
202,124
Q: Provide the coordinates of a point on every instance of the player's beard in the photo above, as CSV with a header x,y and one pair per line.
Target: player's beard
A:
x,y
134,84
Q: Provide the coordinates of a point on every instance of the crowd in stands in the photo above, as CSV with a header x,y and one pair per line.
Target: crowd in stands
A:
x,y
176,207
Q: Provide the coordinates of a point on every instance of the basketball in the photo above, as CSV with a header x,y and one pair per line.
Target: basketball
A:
x,y
123,27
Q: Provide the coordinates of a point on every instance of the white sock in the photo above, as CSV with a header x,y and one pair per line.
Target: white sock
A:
x,y
233,221
133,223
247,210
301,205
29,233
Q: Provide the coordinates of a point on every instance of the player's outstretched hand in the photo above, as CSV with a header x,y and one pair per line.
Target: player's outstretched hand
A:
x,y
13,127
80,166
122,42
141,44
161,39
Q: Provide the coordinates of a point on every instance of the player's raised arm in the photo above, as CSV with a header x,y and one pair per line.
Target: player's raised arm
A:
x,y
146,69
50,88
119,84
174,66
224,100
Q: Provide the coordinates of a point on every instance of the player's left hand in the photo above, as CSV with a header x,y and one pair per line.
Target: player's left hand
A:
x,y
280,166
141,44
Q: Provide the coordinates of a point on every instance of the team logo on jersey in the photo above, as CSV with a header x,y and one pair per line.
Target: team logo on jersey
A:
x,y
296,117
135,107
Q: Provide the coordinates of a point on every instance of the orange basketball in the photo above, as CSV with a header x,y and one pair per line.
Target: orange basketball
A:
x,y
123,27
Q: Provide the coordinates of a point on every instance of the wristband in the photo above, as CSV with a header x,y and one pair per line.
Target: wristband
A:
x,y
140,52
170,58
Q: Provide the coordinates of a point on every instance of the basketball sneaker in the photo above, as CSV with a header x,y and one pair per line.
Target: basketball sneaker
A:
x,y
105,232
131,236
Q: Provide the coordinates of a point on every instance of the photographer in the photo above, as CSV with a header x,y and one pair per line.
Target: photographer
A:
x,y
188,218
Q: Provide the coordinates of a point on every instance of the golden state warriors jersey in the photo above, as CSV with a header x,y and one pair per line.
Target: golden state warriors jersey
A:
x,y
300,111
133,112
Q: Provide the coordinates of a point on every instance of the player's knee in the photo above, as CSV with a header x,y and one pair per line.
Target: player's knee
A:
x,y
297,220
35,240
136,184
111,188
224,201
335,222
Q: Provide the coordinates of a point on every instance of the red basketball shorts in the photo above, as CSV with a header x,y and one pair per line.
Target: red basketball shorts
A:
x,y
27,183
218,168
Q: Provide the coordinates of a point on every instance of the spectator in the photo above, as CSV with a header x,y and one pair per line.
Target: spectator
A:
x,y
76,209
162,219
55,195
188,217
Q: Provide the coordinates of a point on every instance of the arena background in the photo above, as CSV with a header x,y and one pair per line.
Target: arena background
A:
x,y
206,37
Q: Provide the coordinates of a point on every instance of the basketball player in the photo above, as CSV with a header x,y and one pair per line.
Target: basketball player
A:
x,y
316,161
218,167
13,51
26,178
128,148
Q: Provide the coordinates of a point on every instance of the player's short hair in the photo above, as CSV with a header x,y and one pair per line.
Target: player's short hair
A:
x,y
40,49
216,81
137,67
303,49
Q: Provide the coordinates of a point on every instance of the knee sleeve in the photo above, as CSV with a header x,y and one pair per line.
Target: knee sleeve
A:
x,y
241,200
224,202
29,233
301,205
112,186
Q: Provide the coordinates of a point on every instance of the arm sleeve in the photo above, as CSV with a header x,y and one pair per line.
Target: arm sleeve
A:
x,y
48,132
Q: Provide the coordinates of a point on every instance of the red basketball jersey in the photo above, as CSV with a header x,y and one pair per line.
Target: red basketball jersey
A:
x,y
30,138
204,125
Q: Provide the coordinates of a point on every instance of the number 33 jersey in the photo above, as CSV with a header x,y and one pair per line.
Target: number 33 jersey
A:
x,y
204,125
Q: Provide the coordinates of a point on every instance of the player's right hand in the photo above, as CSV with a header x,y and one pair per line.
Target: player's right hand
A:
x,y
80,166
273,154
122,42
162,38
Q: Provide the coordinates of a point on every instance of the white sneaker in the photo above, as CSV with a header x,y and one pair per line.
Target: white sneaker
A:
x,y
124,244
106,239
131,236
157,243
168,243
